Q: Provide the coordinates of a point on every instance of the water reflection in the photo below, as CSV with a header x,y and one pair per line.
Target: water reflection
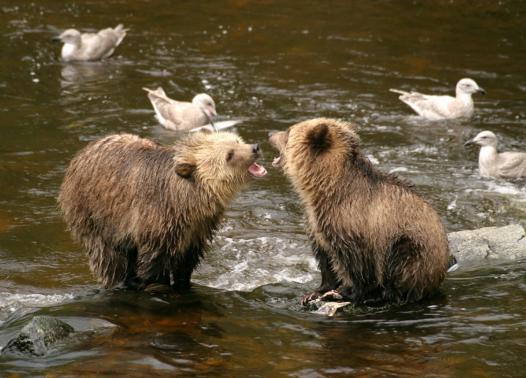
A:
x,y
216,332
78,74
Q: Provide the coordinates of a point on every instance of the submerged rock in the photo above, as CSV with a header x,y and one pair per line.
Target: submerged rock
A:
x,y
38,336
504,243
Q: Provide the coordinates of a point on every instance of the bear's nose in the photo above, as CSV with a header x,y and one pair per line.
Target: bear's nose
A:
x,y
255,148
270,133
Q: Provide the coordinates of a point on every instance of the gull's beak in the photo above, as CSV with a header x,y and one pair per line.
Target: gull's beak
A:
x,y
469,142
56,38
481,90
211,119
209,116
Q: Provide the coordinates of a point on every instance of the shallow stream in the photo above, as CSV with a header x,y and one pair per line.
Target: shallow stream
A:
x,y
270,64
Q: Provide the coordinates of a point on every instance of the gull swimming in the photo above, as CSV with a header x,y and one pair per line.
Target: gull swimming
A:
x,y
90,46
180,115
434,107
494,164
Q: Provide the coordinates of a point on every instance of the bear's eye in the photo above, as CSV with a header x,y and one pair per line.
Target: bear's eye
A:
x,y
230,155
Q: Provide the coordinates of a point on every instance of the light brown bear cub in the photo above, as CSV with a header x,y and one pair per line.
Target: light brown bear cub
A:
x,y
146,213
375,239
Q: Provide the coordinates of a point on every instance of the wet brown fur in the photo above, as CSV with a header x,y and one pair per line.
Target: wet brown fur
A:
x,y
376,240
146,213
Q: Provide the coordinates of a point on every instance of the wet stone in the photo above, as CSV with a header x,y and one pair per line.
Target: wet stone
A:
x,y
495,243
36,338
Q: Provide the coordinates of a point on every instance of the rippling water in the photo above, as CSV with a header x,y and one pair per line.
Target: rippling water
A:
x,y
270,64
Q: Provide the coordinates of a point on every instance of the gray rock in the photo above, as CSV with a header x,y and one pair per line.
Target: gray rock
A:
x,y
503,243
35,339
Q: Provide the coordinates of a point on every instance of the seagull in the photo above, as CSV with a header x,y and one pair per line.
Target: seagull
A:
x,y
494,164
90,46
179,115
443,107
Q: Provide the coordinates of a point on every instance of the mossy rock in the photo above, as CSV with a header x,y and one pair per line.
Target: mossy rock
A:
x,y
36,338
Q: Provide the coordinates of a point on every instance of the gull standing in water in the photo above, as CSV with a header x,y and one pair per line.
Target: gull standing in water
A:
x,y
494,164
90,46
434,107
179,115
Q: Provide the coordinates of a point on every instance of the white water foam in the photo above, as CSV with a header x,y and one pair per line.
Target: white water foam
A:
x,y
372,159
399,169
10,302
453,204
513,191
244,264
507,188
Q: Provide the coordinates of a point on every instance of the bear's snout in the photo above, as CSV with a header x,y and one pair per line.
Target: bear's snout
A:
x,y
274,137
255,149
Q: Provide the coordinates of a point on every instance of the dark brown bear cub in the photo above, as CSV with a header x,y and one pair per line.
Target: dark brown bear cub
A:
x,y
375,239
146,213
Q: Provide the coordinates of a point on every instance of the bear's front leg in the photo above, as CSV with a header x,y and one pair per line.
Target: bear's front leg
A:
x,y
181,280
152,268
134,283
329,281
183,266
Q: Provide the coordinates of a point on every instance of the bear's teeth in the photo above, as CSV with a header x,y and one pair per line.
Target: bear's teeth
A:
x,y
257,170
276,161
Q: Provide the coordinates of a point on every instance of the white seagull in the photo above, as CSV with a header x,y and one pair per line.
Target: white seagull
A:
x,y
434,107
494,164
90,46
180,115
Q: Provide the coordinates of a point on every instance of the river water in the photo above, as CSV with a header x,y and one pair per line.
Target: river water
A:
x,y
269,64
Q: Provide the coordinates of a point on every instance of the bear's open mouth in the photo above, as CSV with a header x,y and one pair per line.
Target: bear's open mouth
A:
x,y
257,170
276,163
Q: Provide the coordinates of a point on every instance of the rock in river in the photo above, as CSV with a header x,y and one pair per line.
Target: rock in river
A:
x,y
503,243
35,339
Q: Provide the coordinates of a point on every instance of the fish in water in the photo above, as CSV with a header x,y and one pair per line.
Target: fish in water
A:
x,y
90,46
495,164
180,115
434,107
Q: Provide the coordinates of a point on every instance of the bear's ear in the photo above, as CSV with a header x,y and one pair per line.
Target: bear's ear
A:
x,y
319,138
185,170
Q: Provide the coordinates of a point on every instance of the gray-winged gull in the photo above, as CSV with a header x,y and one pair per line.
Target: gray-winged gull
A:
x,y
443,107
90,46
180,115
494,164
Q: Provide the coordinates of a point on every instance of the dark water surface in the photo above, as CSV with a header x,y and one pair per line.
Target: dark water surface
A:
x,y
270,64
